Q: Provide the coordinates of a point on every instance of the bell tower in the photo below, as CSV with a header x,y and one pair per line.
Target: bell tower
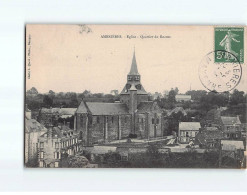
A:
x,y
133,81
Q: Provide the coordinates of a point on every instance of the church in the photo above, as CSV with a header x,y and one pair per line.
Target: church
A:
x,y
133,117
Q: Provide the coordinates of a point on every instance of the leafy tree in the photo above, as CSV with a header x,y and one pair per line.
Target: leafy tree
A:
x,y
32,91
77,161
51,93
237,97
48,102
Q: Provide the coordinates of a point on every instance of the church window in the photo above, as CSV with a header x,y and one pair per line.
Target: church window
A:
x,y
98,119
41,154
157,121
112,119
129,78
142,120
128,86
57,145
137,78
41,144
81,122
152,120
138,86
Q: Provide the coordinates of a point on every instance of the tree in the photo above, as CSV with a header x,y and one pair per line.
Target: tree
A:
x,y
171,96
32,91
51,93
77,161
176,90
47,101
237,97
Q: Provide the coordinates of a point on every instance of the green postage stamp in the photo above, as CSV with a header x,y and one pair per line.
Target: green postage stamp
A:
x,y
229,44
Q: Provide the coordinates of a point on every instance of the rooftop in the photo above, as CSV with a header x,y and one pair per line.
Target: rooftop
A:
x,y
232,145
208,135
31,125
189,126
101,108
60,111
227,120
148,106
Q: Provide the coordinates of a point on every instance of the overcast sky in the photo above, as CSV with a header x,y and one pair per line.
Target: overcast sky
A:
x,y
66,58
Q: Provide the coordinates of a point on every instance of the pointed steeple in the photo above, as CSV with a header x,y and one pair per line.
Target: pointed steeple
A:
x,y
133,69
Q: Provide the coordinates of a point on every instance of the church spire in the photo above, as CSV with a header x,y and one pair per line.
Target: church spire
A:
x,y
133,69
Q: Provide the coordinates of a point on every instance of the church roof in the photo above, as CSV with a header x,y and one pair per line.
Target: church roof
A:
x,y
148,106
139,91
133,69
101,108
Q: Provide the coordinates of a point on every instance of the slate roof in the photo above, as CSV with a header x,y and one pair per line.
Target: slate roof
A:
x,y
101,108
148,107
232,145
141,91
133,69
31,125
60,111
226,120
189,126
183,97
206,136
59,133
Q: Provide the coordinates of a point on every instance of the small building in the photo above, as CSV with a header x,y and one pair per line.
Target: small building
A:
x,y
235,150
56,143
231,126
209,138
33,129
183,98
187,131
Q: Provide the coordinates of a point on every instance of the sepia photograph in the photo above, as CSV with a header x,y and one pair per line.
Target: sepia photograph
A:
x,y
135,96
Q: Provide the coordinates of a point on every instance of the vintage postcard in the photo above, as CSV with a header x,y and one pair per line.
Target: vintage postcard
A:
x,y
135,96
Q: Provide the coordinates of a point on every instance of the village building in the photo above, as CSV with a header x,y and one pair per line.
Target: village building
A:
x,y
33,129
209,138
187,131
55,143
133,116
234,149
182,98
231,126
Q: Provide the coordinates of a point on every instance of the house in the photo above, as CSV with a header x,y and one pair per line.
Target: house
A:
x,y
235,150
183,98
187,131
231,126
209,138
56,143
33,129
232,145
133,116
